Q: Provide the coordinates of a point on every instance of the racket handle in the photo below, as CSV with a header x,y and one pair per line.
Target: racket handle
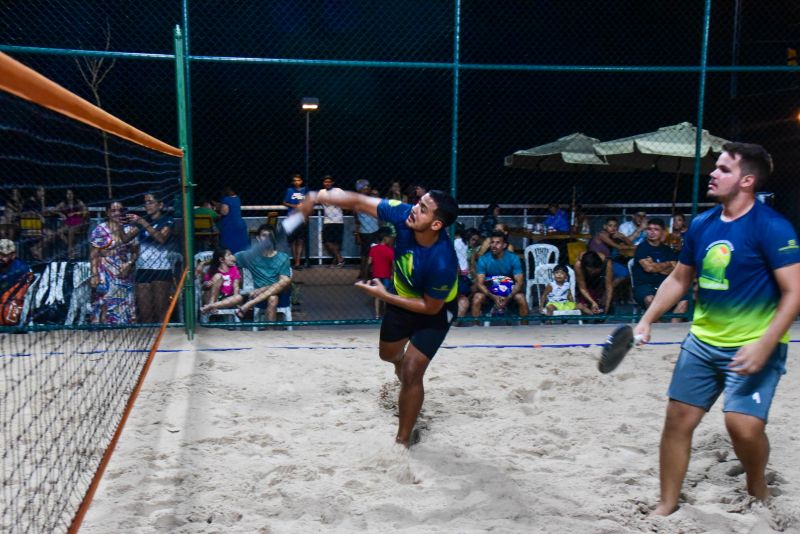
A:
x,y
291,222
637,340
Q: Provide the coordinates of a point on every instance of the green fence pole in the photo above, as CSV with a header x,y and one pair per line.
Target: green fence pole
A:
x,y
188,203
456,76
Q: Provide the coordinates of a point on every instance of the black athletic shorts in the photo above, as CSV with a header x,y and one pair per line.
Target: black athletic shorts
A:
x,y
299,233
333,233
426,332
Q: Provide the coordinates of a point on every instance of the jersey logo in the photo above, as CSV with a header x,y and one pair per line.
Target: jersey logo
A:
x,y
394,202
756,397
790,245
715,263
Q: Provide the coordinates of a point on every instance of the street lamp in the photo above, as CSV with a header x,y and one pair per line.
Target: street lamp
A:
x,y
308,104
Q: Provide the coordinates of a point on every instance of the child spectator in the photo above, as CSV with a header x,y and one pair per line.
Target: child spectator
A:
x,y
381,257
557,294
221,278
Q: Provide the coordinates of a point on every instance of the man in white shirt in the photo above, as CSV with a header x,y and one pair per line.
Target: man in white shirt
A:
x,y
332,226
635,229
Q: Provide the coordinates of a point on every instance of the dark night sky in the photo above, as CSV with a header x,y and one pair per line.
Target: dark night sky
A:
x,y
386,124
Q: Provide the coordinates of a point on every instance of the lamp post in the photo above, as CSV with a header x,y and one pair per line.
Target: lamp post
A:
x,y
308,104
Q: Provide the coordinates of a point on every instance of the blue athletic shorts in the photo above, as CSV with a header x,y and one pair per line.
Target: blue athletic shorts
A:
x,y
701,375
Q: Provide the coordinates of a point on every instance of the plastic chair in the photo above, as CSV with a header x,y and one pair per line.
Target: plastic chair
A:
x,y
545,272
204,230
535,255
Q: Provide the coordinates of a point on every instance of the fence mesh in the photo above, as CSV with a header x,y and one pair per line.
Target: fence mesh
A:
x,y
391,109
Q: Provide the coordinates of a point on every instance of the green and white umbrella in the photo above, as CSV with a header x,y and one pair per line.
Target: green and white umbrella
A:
x,y
573,153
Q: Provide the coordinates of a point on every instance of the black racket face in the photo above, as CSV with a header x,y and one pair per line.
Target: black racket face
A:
x,y
617,345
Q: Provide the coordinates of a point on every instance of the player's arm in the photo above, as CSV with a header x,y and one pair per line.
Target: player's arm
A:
x,y
669,293
426,305
751,358
344,199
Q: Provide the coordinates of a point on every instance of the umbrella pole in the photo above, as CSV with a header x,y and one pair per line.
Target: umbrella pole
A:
x,y
675,192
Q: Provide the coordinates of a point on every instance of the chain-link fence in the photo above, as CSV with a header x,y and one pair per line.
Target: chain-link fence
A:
x,y
440,95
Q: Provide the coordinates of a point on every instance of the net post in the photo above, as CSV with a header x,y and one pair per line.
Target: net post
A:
x,y
181,94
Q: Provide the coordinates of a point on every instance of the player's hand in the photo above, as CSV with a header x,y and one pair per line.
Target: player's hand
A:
x,y
750,359
372,287
642,329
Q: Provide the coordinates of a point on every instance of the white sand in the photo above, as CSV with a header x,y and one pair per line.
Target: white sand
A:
x,y
270,439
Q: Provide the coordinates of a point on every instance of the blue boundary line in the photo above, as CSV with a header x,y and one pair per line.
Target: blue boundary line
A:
x,y
352,347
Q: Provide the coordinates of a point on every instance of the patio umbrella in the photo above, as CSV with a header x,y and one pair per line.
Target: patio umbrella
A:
x,y
668,149
573,153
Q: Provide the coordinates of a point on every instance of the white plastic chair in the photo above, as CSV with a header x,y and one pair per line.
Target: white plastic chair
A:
x,y
535,255
545,272
198,291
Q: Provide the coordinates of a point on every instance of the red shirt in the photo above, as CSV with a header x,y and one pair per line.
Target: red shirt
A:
x,y
382,258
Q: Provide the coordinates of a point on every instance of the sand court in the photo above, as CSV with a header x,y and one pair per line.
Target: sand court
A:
x,y
292,432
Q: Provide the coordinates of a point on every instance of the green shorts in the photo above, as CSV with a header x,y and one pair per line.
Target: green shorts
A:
x,y
561,306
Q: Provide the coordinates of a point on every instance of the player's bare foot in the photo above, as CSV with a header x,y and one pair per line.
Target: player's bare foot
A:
x,y
664,509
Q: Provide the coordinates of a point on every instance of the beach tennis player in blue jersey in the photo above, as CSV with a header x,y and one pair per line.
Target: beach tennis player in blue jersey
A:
x,y
421,303
746,260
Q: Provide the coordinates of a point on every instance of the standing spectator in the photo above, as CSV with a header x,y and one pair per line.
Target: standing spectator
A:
x,y
9,224
74,216
332,226
366,233
232,228
294,196
396,193
500,263
112,258
635,229
154,270
654,261
594,282
381,257
557,221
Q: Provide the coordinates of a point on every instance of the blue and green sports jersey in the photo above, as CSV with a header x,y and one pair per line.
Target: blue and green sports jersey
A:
x,y
419,270
738,294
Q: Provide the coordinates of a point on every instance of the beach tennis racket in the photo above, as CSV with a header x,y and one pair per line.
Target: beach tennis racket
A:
x,y
619,342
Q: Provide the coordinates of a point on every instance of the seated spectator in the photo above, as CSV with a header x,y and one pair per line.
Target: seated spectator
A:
x,y
609,242
12,292
489,220
582,224
74,217
653,262
271,276
461,243
594,282
220,276
558,296
112,257
206,208
679,227
500,263
634,229
381,257
557,221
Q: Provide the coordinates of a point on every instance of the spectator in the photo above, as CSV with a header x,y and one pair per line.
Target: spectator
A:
x,y
461,246
36,207
154,270
500,263
557,221
609,242
15,280
396,193
635,229
74,216
415,192
271,276
232,228
558,295
332,226
654,261
381,257
206,208
297,239
594,280
489,220
11,267
679,228
112,258
9,224
220,276
582,224
366,233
